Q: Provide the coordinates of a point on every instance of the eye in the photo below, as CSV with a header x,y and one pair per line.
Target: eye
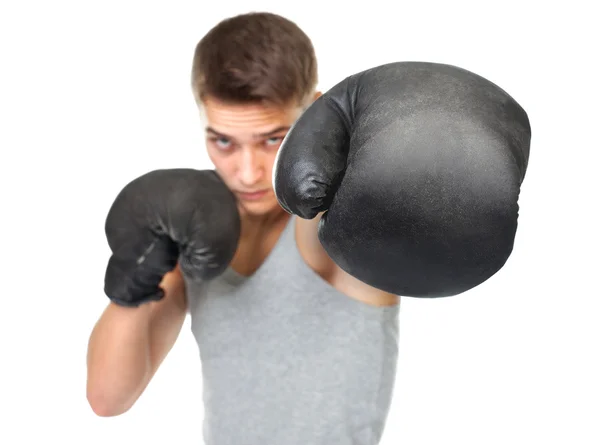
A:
x,y
274,141
222,143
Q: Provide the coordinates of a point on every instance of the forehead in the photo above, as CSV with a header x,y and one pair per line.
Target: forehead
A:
x,y
246,119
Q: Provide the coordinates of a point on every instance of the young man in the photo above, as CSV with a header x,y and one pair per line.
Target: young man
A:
x,y
293,349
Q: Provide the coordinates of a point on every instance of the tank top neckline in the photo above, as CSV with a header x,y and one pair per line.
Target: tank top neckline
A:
x,y
287,240
234,277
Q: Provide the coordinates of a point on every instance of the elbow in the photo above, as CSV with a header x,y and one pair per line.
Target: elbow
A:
x,y
103,405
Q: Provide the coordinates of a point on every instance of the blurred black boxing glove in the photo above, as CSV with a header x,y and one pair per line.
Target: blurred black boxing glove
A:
x,y
418,167
163,217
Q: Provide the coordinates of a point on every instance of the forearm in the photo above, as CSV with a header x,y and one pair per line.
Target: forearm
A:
x,y
309,229
128,345
119,358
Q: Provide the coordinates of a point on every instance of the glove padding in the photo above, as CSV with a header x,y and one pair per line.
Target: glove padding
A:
x,y
418,167
163,217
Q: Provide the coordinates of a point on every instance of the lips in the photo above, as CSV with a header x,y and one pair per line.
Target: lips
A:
x,y
252,196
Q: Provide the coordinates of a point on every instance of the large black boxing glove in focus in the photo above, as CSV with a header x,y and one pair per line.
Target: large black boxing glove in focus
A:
x,y
163,217
418,167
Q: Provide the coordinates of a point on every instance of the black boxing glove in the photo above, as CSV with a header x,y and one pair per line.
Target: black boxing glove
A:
x,y
418,167
163,217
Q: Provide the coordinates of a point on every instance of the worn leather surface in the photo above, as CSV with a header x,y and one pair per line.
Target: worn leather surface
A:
x,y
419,168
166,216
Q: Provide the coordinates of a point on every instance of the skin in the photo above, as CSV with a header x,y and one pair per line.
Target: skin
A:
x,y
127,345
242,142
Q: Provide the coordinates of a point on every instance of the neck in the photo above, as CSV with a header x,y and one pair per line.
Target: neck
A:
x,y
254,225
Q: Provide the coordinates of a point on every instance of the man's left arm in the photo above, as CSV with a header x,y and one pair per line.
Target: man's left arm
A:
x,y
316,257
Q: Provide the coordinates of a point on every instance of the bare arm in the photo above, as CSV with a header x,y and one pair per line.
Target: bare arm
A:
x,y
316,257
127,345
310,246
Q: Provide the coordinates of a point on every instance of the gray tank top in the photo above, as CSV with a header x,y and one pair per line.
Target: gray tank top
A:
x,y
289,360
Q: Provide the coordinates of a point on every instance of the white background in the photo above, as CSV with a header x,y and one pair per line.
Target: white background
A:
x,y
93,94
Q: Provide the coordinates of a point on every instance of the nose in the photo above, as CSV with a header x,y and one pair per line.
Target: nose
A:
x,y
251,169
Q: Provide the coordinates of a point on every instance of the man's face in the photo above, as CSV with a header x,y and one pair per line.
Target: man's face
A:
x,y
242,142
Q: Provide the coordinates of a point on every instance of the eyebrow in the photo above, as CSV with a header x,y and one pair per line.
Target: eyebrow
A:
x,y
255,136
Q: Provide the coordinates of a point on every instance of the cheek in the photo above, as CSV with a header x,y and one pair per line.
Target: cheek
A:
x,y
271,166
225,165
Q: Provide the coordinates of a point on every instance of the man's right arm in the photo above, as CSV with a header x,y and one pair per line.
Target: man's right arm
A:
x,y
127,345
155,220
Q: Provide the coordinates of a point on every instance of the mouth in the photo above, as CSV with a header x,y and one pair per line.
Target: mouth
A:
x,y
252,196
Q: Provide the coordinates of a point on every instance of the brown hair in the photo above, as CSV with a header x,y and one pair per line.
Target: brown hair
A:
x,y
255,57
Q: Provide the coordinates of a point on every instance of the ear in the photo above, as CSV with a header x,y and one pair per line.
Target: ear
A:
x,y
308,101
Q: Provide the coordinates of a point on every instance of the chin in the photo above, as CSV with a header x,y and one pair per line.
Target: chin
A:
x,y
258,208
